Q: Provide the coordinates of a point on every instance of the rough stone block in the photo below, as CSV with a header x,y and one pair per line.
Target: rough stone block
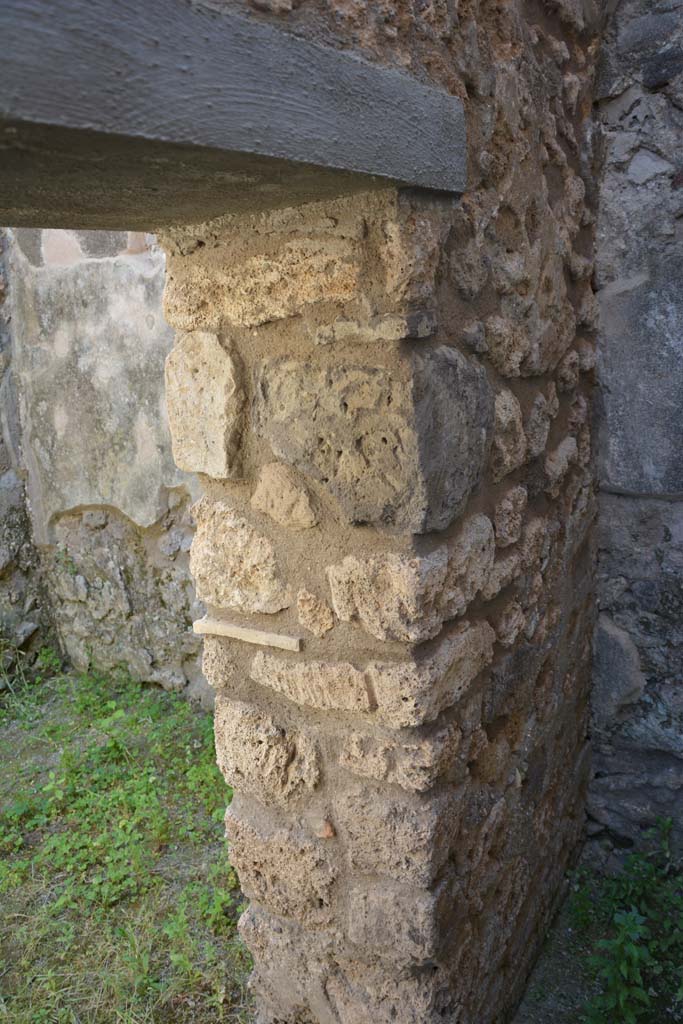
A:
x,y
283,868
395,921
234,566
618,679
399,693
509,441
537,426
228,285
316,684
315,615
414,764
205,400
411,693
398,447
503,572
399,597
256,755
282,496
403,837
558,463
509,516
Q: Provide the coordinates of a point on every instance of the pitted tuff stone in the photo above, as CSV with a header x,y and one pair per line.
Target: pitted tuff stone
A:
x,y
509,516
315,615
509,441
401,836
316,684
283,868
413,763
234,566
399,597
205,400
276,763
280,494
399,447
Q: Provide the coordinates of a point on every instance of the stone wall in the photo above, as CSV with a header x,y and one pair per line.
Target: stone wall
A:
x,y
25,619
638,709
108,509
387,399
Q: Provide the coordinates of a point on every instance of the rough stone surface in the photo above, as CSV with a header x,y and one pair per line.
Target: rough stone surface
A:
x,y
638,655
205,401
280,495
509,515
314,684
315,615
25,614
358,430
509,440
89,348
281,867
233,565
400,598
256,754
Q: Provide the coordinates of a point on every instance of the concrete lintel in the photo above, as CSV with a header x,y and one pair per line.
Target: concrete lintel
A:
x,y
139,114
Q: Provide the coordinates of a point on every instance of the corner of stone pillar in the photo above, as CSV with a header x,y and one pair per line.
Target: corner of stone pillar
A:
x,y
395,610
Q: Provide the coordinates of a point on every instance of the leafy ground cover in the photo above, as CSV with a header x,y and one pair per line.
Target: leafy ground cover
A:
x,y
118,904
615,955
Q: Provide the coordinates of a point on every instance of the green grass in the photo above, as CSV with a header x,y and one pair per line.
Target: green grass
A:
x,y
118,903
634,921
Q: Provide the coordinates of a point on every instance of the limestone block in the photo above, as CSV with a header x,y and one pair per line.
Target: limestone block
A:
x,y
413,764
398,835
387,327
509,440
233,565
226,284
205,400
281,495
403,446
558,463
537,426
504,571
316,684
618,677
509,516
315,615
258,756
509,623
283,868
400,693
410,693
412,249
398,597
397,922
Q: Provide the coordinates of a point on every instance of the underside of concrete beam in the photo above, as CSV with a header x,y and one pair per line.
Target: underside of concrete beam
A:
x,y
145,114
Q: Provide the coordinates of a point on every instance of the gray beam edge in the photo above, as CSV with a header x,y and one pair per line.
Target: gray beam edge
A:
x,y
145,112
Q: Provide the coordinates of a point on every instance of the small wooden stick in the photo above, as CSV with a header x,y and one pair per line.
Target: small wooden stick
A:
x,y
218,627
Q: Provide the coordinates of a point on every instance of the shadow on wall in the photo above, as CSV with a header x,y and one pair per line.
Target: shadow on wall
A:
x,y
638,664
89,440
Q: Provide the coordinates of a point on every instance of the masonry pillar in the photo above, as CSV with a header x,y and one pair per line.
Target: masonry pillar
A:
x,y
392,550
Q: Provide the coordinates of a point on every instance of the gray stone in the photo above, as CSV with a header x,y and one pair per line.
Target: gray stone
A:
x,y
642,364
617,677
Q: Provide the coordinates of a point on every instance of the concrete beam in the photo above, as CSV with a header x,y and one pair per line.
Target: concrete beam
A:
x,y
135,114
